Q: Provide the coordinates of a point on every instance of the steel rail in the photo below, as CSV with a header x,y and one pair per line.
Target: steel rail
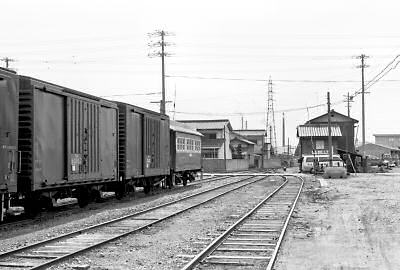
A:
x,y
207,180
283,232
26,221
42,266
7,253
46,264
217,242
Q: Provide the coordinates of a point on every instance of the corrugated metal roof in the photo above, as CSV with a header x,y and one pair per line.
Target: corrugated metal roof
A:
x,y
180,127
207,124
318,131
243,140
235,135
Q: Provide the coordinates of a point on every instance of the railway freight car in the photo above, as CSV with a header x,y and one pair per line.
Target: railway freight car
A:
x,y
68,143
143,146
185,152
8,136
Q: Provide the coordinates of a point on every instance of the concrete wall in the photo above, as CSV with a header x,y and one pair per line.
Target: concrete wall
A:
x,y
272,163
218,165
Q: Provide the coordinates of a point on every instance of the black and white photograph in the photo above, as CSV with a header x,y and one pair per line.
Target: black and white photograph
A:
x,y
177,135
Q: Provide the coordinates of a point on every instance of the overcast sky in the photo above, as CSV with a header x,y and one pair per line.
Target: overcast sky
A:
x,y
306,47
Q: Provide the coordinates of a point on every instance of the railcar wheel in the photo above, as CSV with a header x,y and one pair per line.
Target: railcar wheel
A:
x,y
32,205
147,187
184,181
169,182
83,197
120,191
95,195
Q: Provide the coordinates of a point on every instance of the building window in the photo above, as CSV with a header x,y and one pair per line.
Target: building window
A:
x,y
319,144
211,136
197,146
210,153
190,145
180,144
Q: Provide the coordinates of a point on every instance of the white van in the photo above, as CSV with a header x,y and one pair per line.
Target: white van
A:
x,y
321,161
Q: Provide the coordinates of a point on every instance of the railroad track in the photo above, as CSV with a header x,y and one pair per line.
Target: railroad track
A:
x,y
208,179
253,241
48,215
48,252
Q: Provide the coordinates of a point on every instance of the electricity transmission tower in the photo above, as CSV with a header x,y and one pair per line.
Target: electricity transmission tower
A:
x,y
159,47
270,125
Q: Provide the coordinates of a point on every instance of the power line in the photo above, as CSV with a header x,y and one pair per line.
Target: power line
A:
x,y
125,95
264,80
377,77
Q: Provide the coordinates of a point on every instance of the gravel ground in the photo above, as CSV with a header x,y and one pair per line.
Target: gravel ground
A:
x,y
345,224
164,245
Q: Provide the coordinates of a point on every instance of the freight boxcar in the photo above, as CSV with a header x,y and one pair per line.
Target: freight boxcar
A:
x,y
68,142
143,146
185,152
8,136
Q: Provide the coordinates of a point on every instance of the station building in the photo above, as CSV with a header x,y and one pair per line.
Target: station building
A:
x,y
313,135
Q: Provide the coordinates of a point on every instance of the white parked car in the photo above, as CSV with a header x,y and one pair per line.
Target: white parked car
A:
x,y
321,161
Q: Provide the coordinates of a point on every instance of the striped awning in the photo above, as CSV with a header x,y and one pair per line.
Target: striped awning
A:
x,y
318,131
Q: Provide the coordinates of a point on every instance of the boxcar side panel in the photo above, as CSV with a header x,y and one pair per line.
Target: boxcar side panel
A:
x,y
108,142
165,152
156,146
83,158
172,149
49,142
8,132
134,149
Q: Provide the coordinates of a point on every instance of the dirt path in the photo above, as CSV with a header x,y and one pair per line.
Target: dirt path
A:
x,y
349,223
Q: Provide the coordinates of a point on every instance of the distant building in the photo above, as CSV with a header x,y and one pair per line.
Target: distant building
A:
x,y
242,148
392,140
377,151
216,137
254,135
313,135
257,137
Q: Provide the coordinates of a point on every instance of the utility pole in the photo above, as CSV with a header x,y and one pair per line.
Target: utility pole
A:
x,y
174,103
348,100
242,123
283,130
363,66
7,61
161,102
160,44
329,131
